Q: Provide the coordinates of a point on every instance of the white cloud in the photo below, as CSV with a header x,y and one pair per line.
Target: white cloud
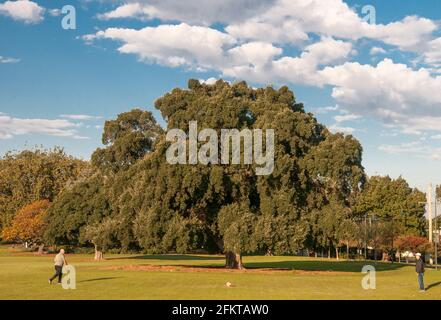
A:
x,y
281,21
377,50
346,130
79,117
414,148
346,117
54,12
10,127
331,18
201,12
256,53
432,54
8,60
171,45
254,43
127,10
209,81
396,94
22,10
285,32
409,34
301,69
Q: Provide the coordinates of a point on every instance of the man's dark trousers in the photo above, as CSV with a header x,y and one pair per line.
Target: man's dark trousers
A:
x,y
58,273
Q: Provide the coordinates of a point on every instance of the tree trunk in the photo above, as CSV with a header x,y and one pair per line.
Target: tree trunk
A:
x,y
336,253
40,248
233,260
329,253
98,254
347,249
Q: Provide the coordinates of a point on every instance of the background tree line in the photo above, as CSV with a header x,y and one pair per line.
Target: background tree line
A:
x,y
128,197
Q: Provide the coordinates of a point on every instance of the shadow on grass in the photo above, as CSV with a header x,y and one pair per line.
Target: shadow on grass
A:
x,y
320,265
432,285
174,257
99,279
218,262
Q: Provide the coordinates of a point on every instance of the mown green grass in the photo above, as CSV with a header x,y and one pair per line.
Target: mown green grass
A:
x,y
24,276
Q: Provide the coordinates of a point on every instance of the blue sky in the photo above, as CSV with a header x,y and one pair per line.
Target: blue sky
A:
x,y
377,79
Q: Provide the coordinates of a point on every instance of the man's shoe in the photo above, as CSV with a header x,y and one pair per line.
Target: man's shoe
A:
x,y
58,282
49,280
423,290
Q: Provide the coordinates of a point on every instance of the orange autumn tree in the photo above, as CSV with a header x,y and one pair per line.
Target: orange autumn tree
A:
x,y
28,224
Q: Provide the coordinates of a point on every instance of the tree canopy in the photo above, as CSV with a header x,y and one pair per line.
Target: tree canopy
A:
x,y
133,198
230,208
394,201
127,138
32,175
29,224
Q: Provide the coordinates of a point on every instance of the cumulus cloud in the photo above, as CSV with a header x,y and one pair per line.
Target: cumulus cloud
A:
x,y
392,92
202,12
171,45
345,130
377,50
205,48
209,81
281,21
301,69
11,126
334,18
432,52
22,10
256,41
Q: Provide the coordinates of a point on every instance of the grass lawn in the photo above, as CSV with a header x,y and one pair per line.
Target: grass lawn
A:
x,y
24,276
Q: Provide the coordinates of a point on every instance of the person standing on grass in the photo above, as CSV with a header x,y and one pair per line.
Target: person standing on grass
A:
x,y
419,268
59,262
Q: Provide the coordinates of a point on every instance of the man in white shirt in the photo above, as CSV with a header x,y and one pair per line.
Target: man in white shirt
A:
x,y
59,262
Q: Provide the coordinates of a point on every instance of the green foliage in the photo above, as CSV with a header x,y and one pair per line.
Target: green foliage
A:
x,y
236,225
29,176
128,138
86,203
393,200
182,207
101,233
314,197
330,224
